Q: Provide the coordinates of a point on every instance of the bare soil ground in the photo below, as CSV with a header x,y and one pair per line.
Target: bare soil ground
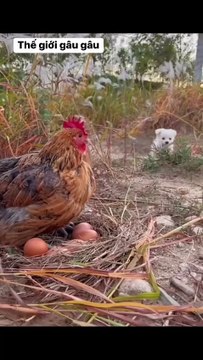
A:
x,y
147,195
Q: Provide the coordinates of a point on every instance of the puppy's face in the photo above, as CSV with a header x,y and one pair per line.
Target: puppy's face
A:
x,y
165,137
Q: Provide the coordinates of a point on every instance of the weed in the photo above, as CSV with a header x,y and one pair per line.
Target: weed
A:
x,y
182,158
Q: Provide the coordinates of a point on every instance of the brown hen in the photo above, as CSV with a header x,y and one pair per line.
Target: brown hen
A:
x,y
43,191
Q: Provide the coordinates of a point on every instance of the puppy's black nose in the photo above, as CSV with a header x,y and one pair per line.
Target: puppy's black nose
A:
x,y
166,142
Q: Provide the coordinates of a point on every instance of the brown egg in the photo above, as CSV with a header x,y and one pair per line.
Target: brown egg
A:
x,y
83,225
81,228
87,235
35,247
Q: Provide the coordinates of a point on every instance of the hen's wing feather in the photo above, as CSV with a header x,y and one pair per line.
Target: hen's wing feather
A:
x,y
22,187
8,164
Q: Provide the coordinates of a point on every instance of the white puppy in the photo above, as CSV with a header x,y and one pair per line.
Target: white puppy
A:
x,y
164,140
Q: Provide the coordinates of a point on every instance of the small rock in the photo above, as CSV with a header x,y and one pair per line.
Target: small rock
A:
x,y
165,221
134,287
87,210
180,244
182,286
186,203
196,276
183,266
190,218
151,208
184,279
197,230
183,191
201,253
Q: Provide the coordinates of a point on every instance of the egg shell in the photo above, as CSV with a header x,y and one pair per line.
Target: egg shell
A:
x,y
80,228
87,235
84,225
35,247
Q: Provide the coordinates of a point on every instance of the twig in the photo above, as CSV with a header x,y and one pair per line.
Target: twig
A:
x,y
181,286
178,229
10,147
166,323
173,242
198,287
167,299
16,296
125,203
199,269
125,145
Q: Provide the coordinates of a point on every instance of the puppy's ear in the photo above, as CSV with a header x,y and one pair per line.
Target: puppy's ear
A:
x,y
158,131
174,132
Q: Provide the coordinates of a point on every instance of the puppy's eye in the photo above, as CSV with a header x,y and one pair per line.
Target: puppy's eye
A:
x,y
163,138
169,138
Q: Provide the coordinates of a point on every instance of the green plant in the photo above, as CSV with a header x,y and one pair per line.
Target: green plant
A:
x,y
182,158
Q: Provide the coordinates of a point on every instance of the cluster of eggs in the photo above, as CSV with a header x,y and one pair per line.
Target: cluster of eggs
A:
x,y
38,247
84,231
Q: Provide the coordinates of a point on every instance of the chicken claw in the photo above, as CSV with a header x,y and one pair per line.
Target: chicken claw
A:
x,y
65,232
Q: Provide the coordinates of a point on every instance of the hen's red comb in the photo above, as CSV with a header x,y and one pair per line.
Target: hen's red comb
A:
x,y
75,122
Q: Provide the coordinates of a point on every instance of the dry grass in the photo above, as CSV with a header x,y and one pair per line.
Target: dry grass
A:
x,y
21,128
181,109
81,287
184,106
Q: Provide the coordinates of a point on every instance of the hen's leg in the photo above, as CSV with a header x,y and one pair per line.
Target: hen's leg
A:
x,y
66,231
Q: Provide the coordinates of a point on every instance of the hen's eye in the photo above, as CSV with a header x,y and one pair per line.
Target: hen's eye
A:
x,y
80,135
163,138
169,138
